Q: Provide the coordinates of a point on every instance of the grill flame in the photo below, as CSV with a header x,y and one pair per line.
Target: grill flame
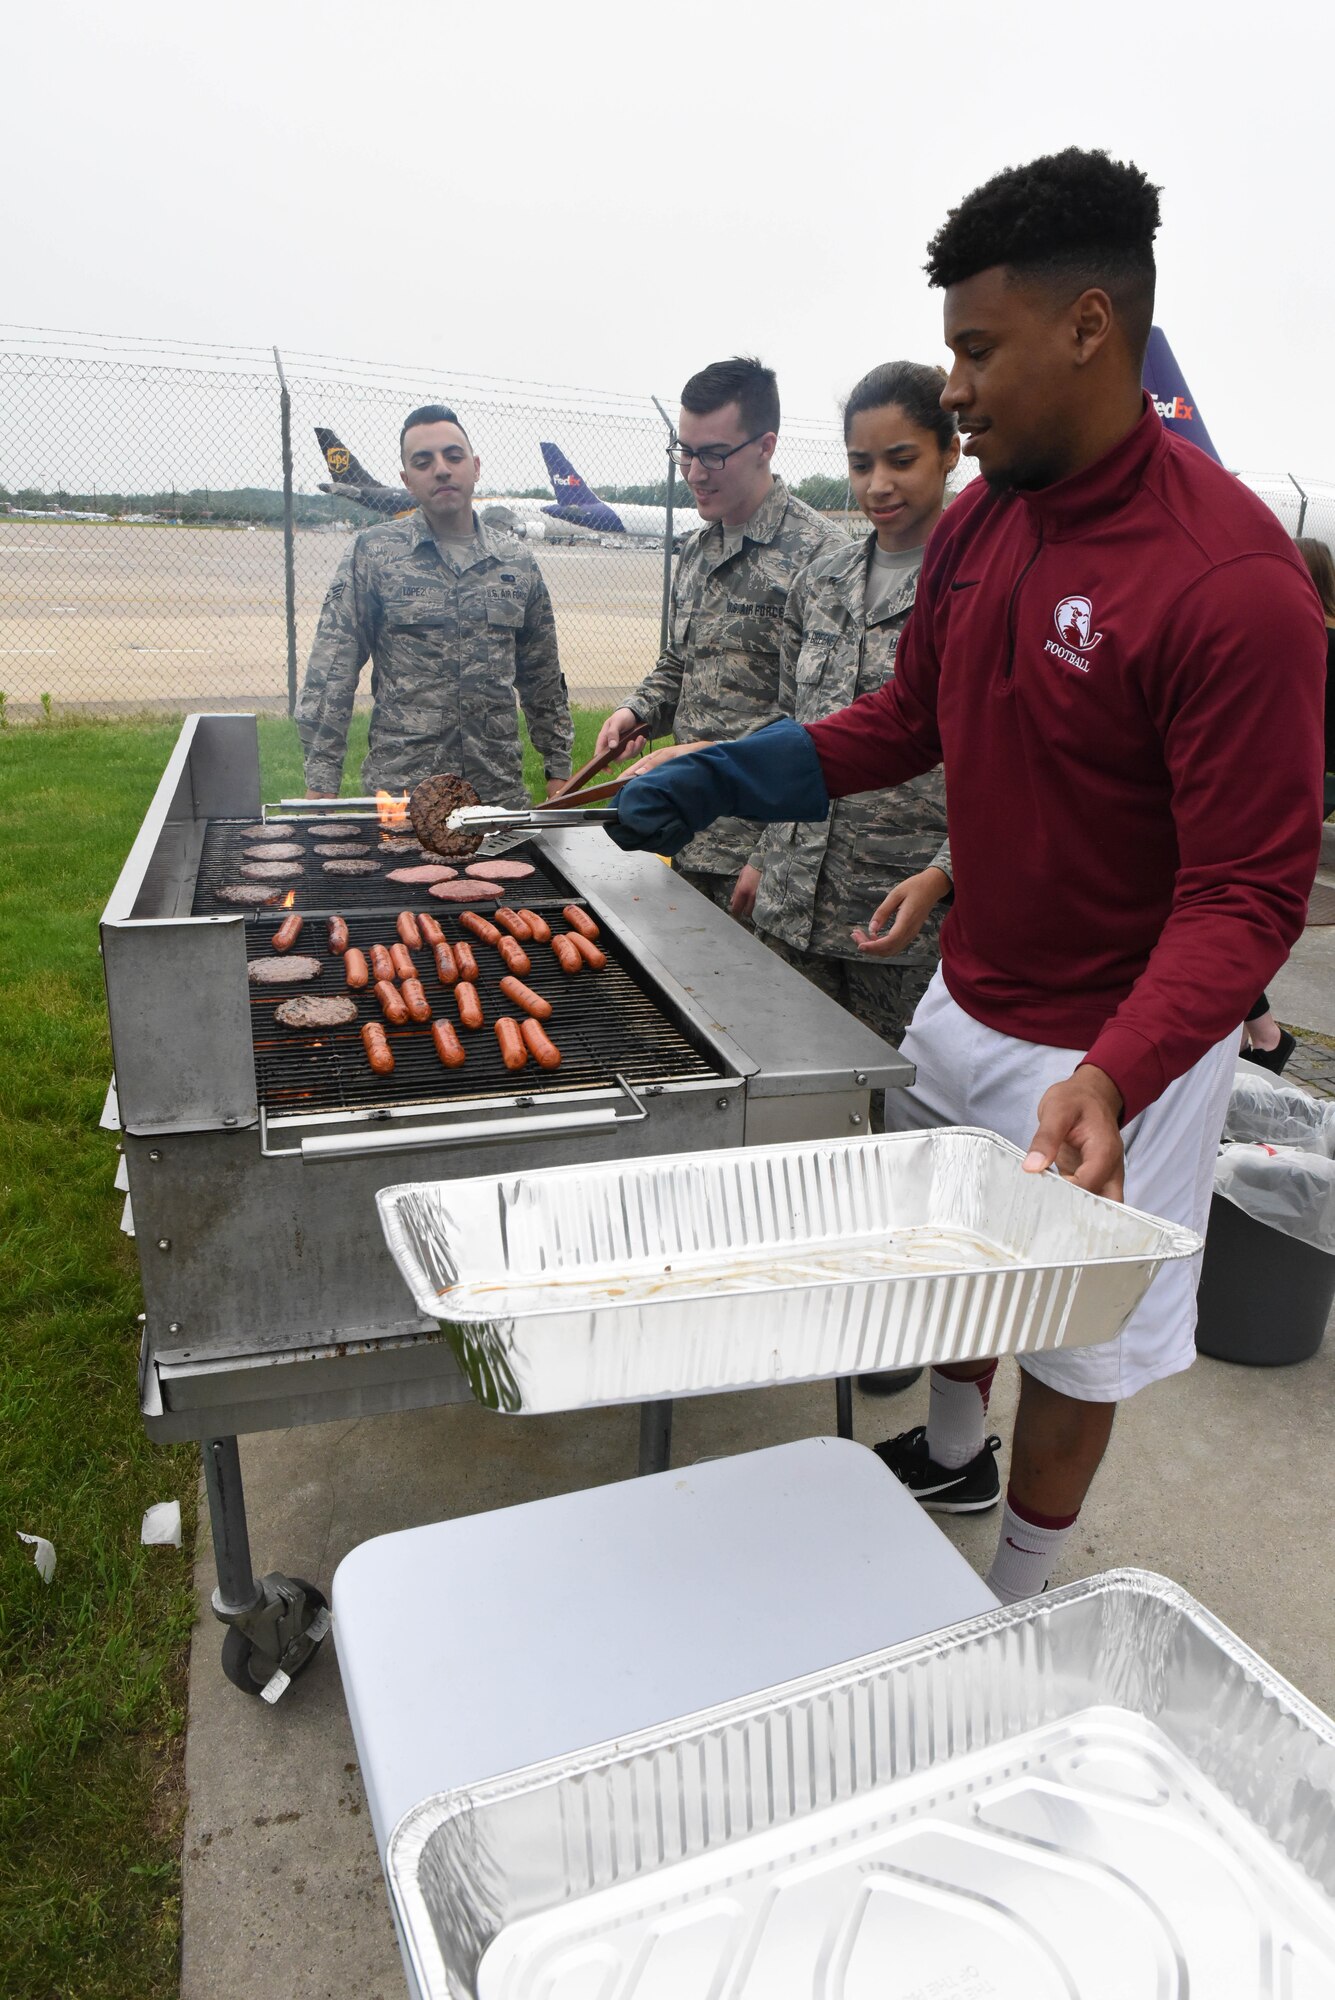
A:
x,y
391,812
288,900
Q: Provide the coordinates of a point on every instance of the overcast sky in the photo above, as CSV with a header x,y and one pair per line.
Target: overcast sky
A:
x,y
610,195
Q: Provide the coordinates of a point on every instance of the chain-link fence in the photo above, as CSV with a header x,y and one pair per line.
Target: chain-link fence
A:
x,y
143,539
145,530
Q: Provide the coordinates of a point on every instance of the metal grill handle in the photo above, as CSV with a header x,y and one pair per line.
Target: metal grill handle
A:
x,y
366,1139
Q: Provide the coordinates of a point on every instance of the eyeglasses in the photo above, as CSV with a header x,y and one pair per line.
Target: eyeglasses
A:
x,y
714,456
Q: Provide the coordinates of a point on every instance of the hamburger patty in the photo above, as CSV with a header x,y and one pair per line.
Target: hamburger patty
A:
x,y
466,892
281,971
312,1010
430,871
270,871
247,892
351,867
431,805
276,850
345,849
500,870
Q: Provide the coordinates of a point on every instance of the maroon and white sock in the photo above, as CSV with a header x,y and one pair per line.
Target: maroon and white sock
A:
x,y
956,1417
1027,1551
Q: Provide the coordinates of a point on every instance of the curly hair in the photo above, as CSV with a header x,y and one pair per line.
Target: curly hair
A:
x,y
1073,217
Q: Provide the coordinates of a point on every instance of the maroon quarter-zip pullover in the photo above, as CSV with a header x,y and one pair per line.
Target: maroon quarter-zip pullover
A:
x,y
1124,674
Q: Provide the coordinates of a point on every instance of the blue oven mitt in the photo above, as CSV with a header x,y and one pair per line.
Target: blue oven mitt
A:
x,y
774,774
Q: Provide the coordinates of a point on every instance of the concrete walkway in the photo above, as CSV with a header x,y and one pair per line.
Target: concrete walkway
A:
x,y
1220,1478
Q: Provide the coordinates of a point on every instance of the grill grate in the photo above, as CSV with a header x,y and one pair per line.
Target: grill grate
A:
x,y
226,841
602,1022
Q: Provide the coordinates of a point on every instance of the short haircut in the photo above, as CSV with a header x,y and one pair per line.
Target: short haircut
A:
x,y
914,387
1073,219
430,413
742,380
1321,569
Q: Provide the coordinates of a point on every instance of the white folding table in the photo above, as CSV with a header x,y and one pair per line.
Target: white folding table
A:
x,y
544,1628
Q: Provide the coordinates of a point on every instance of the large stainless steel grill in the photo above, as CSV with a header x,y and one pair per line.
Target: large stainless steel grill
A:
x,y
253,1163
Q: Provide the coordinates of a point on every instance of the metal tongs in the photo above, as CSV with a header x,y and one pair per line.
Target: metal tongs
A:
x,y
570,806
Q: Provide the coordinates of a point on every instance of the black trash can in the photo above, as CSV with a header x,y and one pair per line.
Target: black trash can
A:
x,y
1264,1298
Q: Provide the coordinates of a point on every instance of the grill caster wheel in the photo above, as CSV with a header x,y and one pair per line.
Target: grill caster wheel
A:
x,y
250,1669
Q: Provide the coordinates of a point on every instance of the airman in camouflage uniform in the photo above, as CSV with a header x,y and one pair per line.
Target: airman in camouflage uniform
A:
x,y
820,879
456,629
719,676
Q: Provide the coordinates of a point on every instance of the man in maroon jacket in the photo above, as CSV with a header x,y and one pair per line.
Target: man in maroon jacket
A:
x,y
1120,660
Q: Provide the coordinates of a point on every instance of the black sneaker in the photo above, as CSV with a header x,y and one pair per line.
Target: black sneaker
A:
x,y
1272,1059
970,1489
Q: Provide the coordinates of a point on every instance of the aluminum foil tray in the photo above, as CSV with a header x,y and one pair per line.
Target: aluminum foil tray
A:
x,y
1100,1794
622,1282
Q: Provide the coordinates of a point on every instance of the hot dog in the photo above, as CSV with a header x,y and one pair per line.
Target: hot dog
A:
x,y
514,1051
580,920
567,957
355,969
287,933
467,1001
430,929
406,925
402,961
516,958
542,1049
448,1046
446,966
514,922
464,959
479,926
415,1000
589,952
524,996
538,927
382,965
378,1052
338,936
391,1003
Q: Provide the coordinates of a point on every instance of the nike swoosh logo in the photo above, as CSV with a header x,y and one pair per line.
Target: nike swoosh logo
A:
x,y
971,584
1020,1548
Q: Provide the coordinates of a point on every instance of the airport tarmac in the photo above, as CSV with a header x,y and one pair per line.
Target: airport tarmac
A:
x,y
133,615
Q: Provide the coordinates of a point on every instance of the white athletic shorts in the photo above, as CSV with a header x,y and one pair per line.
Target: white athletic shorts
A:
x,y
971,1075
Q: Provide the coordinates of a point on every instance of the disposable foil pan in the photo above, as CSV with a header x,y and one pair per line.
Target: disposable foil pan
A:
x,y
674,1276
1100,1794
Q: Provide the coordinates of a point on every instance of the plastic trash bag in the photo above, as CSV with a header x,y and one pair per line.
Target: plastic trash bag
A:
x,y
42,1554
1277,1163
162,1523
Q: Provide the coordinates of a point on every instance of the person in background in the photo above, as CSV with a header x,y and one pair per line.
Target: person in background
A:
x,y
719,676
457,621
1321,569
1117,655
1264,1041
816,884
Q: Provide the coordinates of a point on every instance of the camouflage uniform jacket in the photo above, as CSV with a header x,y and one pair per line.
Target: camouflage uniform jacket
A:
x,y
817,881
452,645
719,677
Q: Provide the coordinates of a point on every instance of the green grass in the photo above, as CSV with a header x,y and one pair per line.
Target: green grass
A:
x,y
93,1665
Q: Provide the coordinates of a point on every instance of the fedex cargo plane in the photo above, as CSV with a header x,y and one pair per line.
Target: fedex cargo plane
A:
x,y
577,500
